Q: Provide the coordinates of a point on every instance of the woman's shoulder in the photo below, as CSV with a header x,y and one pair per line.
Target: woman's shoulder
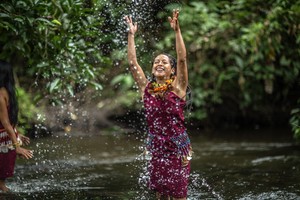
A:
x,y
3,94
181,93
3,91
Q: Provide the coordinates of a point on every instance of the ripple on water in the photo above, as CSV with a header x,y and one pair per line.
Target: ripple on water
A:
x,y
268,159
271,195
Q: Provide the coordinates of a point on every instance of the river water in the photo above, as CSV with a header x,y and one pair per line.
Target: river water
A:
x,y
229,165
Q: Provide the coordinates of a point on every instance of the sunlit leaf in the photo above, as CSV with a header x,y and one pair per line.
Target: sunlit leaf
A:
x,y
55,21
54,84
97,86
70,90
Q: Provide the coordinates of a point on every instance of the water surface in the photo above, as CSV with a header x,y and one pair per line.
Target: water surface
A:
x,y
241,165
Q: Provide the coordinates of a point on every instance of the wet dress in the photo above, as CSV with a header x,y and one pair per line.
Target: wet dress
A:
x,y
167,143
7,155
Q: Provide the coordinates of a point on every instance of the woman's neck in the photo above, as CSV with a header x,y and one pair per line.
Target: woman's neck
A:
x,y
161,80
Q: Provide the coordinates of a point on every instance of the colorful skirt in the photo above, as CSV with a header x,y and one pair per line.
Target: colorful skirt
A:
x,y
7,164
7,155
5,141
167,174
168,177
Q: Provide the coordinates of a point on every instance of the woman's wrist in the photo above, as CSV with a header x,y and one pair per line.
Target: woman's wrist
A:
x,y
16,144
177,30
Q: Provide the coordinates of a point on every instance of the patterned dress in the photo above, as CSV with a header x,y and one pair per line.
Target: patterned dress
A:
x,y
7,154
167,143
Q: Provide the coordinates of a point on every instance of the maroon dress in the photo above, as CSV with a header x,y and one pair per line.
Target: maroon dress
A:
x,y
7,155
167,143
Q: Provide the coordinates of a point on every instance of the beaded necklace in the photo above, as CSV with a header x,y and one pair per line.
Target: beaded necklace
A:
x,y
159,89
162,87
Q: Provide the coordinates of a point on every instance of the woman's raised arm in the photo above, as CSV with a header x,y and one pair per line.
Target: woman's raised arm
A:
x,y
136,70
182,70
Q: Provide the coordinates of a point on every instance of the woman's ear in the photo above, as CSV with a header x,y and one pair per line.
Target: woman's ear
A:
x,y
173,71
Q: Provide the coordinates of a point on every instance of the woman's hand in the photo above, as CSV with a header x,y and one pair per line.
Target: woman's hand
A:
x,y
132,26
25,140
174,21
188,158
25,153
185,162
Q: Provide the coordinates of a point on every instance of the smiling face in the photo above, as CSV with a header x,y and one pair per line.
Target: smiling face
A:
x,y
162,68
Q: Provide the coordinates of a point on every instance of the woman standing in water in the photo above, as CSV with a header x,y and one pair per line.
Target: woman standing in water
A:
x,y
164,98
10,140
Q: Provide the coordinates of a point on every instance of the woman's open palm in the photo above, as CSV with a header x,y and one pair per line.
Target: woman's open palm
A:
x,y
132,26
174,20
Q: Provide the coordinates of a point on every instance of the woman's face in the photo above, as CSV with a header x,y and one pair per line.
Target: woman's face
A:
x,y
162,67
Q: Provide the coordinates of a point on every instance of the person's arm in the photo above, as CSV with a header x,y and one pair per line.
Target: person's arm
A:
x,y
135,68
4,118
182,70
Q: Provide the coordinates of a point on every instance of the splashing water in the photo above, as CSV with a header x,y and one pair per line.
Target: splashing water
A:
x,y
107,167
198,187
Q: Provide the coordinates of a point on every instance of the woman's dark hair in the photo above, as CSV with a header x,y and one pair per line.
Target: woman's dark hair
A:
x,y
8,82
173,63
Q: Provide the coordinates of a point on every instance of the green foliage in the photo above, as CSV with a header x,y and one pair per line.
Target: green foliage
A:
x,y
295,121
124,81
27,110
59,41
241,55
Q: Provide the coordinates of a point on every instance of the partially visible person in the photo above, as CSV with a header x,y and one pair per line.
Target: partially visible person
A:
x,y
10,140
